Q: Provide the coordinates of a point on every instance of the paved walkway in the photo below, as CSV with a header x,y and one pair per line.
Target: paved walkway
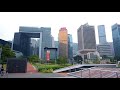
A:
x,y
34,75
31,68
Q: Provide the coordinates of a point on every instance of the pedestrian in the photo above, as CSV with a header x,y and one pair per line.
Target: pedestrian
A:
x,y
2,70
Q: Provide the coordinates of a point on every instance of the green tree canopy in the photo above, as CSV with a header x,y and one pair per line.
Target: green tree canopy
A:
x,y
34,58
6,53
62,60
78,59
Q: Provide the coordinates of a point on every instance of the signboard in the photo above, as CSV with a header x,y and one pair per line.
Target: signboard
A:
x,y
48,55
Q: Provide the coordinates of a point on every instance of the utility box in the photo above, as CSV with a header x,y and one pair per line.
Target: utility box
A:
x,y
15,65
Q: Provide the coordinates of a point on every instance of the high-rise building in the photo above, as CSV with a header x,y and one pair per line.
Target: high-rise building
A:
x,y
116,39
34,47
101,34
22,39
105,50
63,42
3,42
56,44
70,46
86,40
75,48
53,42
112,48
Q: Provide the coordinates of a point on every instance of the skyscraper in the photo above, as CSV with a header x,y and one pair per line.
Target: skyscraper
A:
x,y
56,44
22,39
63,42
75,48
116,39
111,44
86,39
53,42
101,34
105,50
70,46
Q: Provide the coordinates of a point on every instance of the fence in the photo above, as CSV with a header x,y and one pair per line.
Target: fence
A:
x,y
101,74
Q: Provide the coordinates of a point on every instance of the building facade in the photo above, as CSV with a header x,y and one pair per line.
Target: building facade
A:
x,y
53,42
93,55
22,39
116,39
102,34
34,47
56,44
111,45
75,48
86,39
53,53
63,42
3,42
70,46
105,50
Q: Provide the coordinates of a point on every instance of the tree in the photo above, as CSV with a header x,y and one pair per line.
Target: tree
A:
x,y
62,60
6,53
97,61
78,59
104,56
34,59
117,58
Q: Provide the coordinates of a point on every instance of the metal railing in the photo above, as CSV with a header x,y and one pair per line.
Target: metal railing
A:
x,y
89,73
81,72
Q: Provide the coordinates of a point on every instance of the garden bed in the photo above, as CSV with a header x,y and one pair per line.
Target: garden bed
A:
x,y
48,68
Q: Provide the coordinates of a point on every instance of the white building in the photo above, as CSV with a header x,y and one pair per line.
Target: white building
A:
x,y
18,54
53,42
105,49
93,55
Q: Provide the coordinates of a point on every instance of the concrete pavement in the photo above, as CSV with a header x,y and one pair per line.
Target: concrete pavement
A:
x,y
34,75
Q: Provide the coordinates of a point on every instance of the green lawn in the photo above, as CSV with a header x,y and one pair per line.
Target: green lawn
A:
x,y
48,68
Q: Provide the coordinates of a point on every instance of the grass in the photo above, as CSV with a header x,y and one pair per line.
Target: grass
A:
x,y
48,68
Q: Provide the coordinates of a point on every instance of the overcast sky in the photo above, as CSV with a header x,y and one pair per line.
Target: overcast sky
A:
x,y
10,22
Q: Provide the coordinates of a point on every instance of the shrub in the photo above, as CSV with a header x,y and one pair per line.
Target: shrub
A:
x,y
34,59
42,61
47,68
96,61
62,60
50,62
119,65
6,53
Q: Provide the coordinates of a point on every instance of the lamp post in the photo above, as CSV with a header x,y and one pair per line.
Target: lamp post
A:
x,y
56,56
0,53
45,53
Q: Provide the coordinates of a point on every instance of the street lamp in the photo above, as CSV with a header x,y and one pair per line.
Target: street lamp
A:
x,y
0,53
45,52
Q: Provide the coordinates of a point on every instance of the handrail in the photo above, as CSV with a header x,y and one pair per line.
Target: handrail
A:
x,y
101,75
117,74
110,75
